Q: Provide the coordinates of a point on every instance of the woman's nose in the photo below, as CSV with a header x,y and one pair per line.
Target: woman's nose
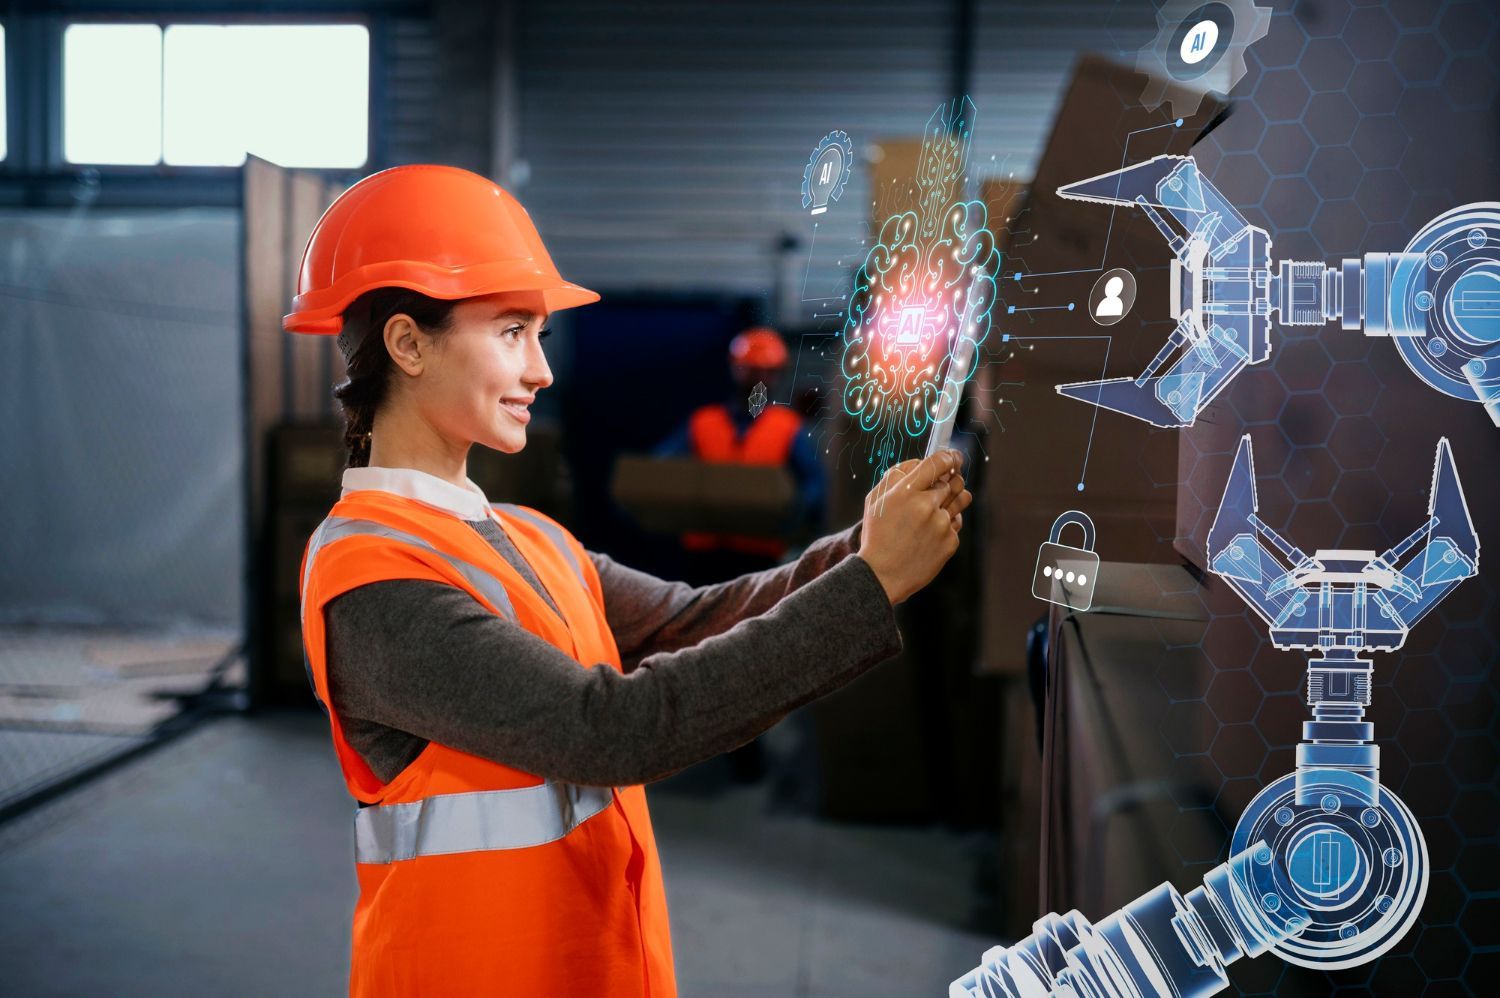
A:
x,y
538,372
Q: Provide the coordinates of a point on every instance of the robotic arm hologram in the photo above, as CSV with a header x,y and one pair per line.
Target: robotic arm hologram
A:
x,y
1439,299
1343,599
1327,867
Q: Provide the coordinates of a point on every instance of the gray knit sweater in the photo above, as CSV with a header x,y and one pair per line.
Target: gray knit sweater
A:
x,y
706,669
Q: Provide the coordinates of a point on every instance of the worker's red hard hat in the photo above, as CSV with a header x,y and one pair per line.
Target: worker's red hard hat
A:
x,y
439,230
758,347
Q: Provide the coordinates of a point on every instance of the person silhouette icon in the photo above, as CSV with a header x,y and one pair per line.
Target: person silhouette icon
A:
x,y
1112,296
1110,304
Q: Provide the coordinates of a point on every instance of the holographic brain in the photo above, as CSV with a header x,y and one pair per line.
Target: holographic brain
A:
x,y
926,285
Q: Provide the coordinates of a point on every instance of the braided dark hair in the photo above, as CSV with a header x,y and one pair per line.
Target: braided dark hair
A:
x,y
370,364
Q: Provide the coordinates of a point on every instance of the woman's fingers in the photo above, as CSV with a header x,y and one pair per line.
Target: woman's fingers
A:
x,y
941,473
956,509
897,472
954,489
904,467
911,522
932,468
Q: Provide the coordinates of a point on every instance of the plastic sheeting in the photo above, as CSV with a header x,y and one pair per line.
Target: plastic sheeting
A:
x,y
121,445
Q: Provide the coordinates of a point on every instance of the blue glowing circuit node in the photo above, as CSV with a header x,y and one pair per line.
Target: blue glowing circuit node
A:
x,y
827,172
1439,299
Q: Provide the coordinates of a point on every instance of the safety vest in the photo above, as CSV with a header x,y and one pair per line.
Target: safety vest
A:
x,y
768,440
477,878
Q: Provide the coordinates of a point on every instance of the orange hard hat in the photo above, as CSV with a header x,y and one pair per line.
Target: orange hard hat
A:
x,y
758,347
439,230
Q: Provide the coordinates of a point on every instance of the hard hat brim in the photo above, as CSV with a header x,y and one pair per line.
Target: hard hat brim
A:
x,y
321,312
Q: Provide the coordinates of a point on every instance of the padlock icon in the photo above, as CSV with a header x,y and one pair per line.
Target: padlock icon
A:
x,y
1067,575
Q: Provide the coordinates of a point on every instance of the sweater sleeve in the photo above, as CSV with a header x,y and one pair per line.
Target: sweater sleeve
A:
x,y
426,659
648,615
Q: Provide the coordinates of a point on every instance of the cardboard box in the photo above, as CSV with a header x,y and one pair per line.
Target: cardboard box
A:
x,y
893,169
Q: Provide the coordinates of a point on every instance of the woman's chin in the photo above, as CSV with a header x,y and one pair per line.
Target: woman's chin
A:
x,y
510,440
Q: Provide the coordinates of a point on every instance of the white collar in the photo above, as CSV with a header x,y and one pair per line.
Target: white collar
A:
x,y
468,503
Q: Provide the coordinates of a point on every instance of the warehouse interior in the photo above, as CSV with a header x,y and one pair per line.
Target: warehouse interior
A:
x,y
172,815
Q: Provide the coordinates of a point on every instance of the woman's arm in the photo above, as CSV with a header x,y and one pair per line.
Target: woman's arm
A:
x,y
427,659
649,615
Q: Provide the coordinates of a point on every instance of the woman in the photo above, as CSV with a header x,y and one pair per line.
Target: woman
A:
x,y
497,693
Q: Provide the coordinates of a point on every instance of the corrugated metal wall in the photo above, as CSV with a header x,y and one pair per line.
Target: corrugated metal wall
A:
x,y
406,63
434,76
1024,54
663,147
666,145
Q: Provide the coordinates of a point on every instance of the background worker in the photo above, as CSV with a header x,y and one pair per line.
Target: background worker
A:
x,y
749,429
498,694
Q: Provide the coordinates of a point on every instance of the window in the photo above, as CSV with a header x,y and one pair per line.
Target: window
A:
x,y
112,93
205,95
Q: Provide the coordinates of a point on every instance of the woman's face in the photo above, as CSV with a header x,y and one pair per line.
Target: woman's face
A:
x,y
486,369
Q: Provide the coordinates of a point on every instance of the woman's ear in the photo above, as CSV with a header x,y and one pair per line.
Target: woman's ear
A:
x,y
406,343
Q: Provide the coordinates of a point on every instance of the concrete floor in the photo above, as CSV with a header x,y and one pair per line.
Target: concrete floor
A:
x,y
219,864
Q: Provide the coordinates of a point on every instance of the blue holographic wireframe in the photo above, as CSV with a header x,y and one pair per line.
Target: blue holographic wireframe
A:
x,y
922,299
1328,868
1439,299
1341,602
758,399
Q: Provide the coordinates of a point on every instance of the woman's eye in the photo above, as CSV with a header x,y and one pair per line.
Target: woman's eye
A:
x,y
513,331
542,335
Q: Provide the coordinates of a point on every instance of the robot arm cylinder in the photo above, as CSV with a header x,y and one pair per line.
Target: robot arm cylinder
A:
x,y
1379,293
1438,300
1326,871
1162,943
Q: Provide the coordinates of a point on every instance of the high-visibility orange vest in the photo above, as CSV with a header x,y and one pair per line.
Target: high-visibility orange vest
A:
x,y
477,878
768,440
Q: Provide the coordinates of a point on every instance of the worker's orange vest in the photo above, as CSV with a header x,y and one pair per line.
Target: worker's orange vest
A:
x,y
768,440
476,878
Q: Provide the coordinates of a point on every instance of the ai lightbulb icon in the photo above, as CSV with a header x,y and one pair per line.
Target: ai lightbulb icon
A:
x,y
827,172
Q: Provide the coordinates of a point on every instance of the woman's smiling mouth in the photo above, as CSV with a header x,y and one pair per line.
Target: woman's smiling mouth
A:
x,y
517,408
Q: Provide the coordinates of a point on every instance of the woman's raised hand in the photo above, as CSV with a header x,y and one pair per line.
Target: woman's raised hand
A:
x,y
911,522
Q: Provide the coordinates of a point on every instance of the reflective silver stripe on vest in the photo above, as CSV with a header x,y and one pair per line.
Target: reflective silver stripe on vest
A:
x,y
338,527
471,822
559,538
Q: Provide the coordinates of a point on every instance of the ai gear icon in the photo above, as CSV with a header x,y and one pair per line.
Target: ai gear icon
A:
x,y
1199,47
827,172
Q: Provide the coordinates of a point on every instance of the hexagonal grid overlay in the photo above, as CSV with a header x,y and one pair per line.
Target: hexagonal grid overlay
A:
x,y
1355,125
